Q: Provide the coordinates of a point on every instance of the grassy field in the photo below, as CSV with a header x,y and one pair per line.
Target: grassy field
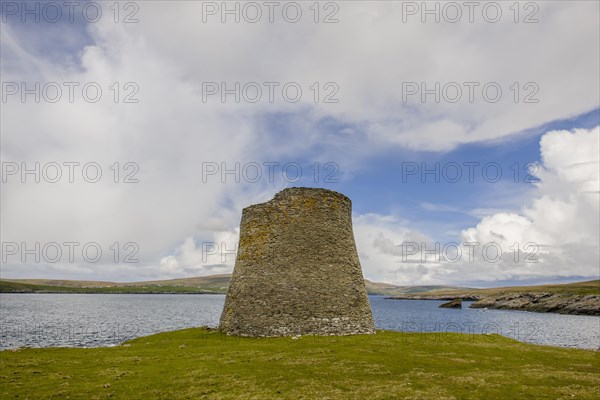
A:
x,y
204,364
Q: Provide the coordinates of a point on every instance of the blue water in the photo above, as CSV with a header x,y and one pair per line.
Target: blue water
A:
x,y
540,328
93,320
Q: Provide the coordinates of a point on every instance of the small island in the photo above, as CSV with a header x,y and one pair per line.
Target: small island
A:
x,y
456,303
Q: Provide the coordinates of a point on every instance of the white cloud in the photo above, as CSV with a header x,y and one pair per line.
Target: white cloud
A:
x,y
171,131
558,228
370,52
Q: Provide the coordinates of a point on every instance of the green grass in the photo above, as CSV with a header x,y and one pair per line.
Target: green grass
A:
x,y
198,364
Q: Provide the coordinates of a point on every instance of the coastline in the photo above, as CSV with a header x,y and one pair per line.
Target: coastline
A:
x,y
543,302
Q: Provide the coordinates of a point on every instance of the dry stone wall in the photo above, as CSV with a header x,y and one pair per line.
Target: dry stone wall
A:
x,y
297,270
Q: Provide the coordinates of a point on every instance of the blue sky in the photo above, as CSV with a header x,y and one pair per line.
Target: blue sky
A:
x,y
442,208
384,175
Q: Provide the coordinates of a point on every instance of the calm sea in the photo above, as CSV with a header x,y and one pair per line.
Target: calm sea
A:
x,y
93,320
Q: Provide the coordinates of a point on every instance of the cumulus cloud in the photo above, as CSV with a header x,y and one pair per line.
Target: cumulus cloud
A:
x,y
564,215
556,234
215,256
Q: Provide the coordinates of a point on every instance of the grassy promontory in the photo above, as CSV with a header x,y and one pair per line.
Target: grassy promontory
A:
x,y
200,363
580,298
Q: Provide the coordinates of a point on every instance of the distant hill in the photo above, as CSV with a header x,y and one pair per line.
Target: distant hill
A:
x,y
220,283
388,289
201,281
196,285
203,284
19,287
572,298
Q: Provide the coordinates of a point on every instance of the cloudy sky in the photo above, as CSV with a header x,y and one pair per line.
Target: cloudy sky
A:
x,y
134,133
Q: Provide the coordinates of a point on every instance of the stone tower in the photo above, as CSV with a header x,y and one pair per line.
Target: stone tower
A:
x,y
297,270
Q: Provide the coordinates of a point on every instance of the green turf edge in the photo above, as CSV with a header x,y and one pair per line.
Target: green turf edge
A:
x,y
202,363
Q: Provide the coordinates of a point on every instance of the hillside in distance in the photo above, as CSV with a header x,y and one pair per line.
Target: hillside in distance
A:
x,y
580,288
389,289
203,284
195,285
582,298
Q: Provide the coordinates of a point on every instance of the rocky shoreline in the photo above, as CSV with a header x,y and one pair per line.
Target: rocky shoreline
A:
x,y
561,303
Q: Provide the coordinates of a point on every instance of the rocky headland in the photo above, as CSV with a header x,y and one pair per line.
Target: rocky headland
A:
x,y
581,298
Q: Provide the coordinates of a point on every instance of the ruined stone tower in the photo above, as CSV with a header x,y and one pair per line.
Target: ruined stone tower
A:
x,y
297,270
